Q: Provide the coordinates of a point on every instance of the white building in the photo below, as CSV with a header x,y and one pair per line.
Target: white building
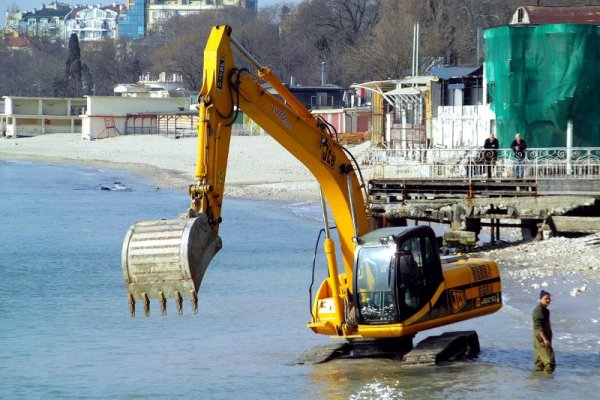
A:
x,y
148,86
161,10
48,22
92,23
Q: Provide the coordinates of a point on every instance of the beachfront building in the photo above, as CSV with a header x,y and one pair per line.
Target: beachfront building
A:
x,y
401,110
32,116
108,116
143,15
92,23
461,117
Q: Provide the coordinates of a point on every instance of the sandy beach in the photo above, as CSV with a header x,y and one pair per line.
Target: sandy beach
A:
x,y
258,167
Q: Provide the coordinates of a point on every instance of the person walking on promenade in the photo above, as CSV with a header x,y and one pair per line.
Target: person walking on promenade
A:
x,y
542,336
519,146
491,153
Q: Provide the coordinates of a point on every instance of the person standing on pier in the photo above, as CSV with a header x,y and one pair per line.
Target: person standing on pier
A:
x,y
542,336
519,146
491,153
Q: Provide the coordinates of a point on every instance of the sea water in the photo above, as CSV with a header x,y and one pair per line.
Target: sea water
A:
x,y
65,330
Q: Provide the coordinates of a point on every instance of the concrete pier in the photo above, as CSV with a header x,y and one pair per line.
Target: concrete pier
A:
x,y
470,206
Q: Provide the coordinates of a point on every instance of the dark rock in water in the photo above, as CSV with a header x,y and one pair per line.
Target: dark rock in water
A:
x,y
117,186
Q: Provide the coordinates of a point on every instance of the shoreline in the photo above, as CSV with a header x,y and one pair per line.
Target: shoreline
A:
x,y
268,172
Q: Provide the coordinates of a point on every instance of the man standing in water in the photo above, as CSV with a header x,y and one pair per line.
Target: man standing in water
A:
x,y
542,336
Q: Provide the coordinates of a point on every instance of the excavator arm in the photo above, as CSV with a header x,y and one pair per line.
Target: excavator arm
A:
x,y
225,90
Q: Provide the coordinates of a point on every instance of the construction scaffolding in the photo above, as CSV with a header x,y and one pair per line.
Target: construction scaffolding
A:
x,y
540,78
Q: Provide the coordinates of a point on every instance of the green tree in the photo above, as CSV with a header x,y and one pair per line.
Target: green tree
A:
x,y
77,79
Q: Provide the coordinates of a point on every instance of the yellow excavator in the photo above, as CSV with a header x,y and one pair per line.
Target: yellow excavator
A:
x,y
392,282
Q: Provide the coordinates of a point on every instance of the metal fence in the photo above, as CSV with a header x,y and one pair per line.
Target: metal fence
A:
x,y
477,163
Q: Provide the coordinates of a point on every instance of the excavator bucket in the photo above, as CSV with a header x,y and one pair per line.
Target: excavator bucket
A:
x,y
167,258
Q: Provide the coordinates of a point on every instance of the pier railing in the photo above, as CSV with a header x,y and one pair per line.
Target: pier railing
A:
x,y
477,163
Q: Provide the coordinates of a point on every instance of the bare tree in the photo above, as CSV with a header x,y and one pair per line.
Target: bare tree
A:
x,y
181,51
322,31
110,64
341,19
260,36
383,53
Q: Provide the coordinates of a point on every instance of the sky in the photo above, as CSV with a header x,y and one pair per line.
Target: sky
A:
x,y
26,5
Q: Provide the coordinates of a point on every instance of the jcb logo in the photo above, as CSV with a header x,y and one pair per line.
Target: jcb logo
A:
x,y
221,72
327,155
459,300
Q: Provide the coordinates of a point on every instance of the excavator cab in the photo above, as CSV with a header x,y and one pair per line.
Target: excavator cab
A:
x,y
397,272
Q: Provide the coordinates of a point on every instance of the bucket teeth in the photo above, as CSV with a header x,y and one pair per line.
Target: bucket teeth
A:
x,y
163,303
167,258
131,305
194,300
146,301
179,303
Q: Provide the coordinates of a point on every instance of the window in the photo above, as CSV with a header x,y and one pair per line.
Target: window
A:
x,y
417,282
375,286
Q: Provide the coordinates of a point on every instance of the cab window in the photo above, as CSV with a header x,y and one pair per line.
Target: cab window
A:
x,y
418,279
374,286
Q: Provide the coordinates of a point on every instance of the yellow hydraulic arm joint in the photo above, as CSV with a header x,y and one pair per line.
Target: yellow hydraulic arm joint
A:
x,y
334,282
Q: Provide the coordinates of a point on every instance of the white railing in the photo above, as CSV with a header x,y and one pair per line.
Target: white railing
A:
x,y
539,163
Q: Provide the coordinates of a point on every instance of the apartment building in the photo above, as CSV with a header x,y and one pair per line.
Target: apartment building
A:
x,y
47,22
143,15
91,23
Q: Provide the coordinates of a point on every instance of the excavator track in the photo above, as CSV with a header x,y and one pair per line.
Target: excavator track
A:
x,y
433,350
449,346
356,348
